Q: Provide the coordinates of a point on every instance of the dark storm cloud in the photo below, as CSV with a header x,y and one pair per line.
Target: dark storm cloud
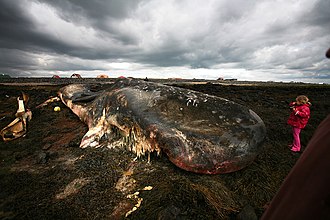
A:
x,y
277,37
320,14
18,32
100,15
14,24
16,28
96,11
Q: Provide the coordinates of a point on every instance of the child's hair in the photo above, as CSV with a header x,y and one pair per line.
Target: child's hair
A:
x,y
302,99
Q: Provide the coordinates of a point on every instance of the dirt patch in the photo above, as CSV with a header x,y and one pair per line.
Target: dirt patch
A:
x,y
45,175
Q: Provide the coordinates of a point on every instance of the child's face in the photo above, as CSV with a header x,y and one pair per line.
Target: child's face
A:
x,y
298,102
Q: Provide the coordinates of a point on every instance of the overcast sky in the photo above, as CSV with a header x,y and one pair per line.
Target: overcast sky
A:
x,y
279,40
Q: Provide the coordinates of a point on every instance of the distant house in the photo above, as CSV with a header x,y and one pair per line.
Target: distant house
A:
x,y
102,76
76,75
122,77
56,77
220,79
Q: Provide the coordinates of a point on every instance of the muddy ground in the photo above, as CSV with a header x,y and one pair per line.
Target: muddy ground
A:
x,y
45,175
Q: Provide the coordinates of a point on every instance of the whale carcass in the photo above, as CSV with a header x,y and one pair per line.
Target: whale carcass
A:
x,y
198,132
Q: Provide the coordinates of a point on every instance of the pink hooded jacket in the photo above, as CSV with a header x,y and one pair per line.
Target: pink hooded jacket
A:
x,y
299,116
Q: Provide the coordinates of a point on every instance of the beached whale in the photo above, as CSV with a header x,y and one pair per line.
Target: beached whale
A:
x,y
198,132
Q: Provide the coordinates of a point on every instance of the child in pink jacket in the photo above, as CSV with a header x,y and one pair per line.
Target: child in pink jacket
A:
x,y
298,119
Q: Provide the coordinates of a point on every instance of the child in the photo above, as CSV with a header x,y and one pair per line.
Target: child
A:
x,y
298,119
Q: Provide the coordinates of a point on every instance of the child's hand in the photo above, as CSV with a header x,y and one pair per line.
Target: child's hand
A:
x,y
292,104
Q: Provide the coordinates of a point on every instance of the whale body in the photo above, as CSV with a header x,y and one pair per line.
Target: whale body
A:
x,y
198,132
